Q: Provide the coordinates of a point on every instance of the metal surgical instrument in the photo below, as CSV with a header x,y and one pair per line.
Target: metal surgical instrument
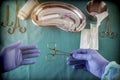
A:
x,y
54,52
17,23
108,31
2,24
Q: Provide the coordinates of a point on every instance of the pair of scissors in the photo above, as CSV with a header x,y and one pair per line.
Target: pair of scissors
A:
x,y
17,23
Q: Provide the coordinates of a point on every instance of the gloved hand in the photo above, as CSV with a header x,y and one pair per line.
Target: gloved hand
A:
x,y
88,59
14,55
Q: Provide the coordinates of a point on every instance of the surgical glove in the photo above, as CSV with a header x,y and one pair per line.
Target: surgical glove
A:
x,y
92,60
77,64
15,55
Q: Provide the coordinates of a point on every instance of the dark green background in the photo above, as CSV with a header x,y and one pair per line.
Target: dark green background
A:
x,y
66,41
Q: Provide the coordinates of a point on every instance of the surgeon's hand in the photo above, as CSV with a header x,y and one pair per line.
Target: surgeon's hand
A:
x,y
15,55
88,59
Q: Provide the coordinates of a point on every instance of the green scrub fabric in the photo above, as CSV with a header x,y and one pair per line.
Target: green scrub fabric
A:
x,y
112,71
65,41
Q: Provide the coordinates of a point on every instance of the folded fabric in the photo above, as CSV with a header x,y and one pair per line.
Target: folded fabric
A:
x,y
89,38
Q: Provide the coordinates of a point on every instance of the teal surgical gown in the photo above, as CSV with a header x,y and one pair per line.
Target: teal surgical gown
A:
x,y
112,72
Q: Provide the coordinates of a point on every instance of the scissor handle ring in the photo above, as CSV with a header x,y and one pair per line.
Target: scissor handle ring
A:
x,y
11,30
112,34
22,29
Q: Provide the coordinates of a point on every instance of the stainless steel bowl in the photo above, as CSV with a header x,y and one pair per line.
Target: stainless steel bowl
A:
x,y
95,7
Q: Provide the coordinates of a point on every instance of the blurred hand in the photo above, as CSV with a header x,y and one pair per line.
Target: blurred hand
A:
x,y
89,59
14,55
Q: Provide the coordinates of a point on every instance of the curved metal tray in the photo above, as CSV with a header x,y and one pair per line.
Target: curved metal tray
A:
x,y
62,15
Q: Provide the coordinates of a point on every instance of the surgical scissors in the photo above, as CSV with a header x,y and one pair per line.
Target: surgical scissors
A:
x,y
50,56
17,23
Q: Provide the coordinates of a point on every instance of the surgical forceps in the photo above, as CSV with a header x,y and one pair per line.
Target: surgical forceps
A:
x,y
6,19
50,56
17,23
108,31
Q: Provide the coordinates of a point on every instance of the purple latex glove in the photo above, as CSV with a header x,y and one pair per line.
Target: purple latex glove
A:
x,y
92,60
15,55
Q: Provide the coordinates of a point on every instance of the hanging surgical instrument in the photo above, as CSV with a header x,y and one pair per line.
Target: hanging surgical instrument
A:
x,y
2,24
17,23
108,31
